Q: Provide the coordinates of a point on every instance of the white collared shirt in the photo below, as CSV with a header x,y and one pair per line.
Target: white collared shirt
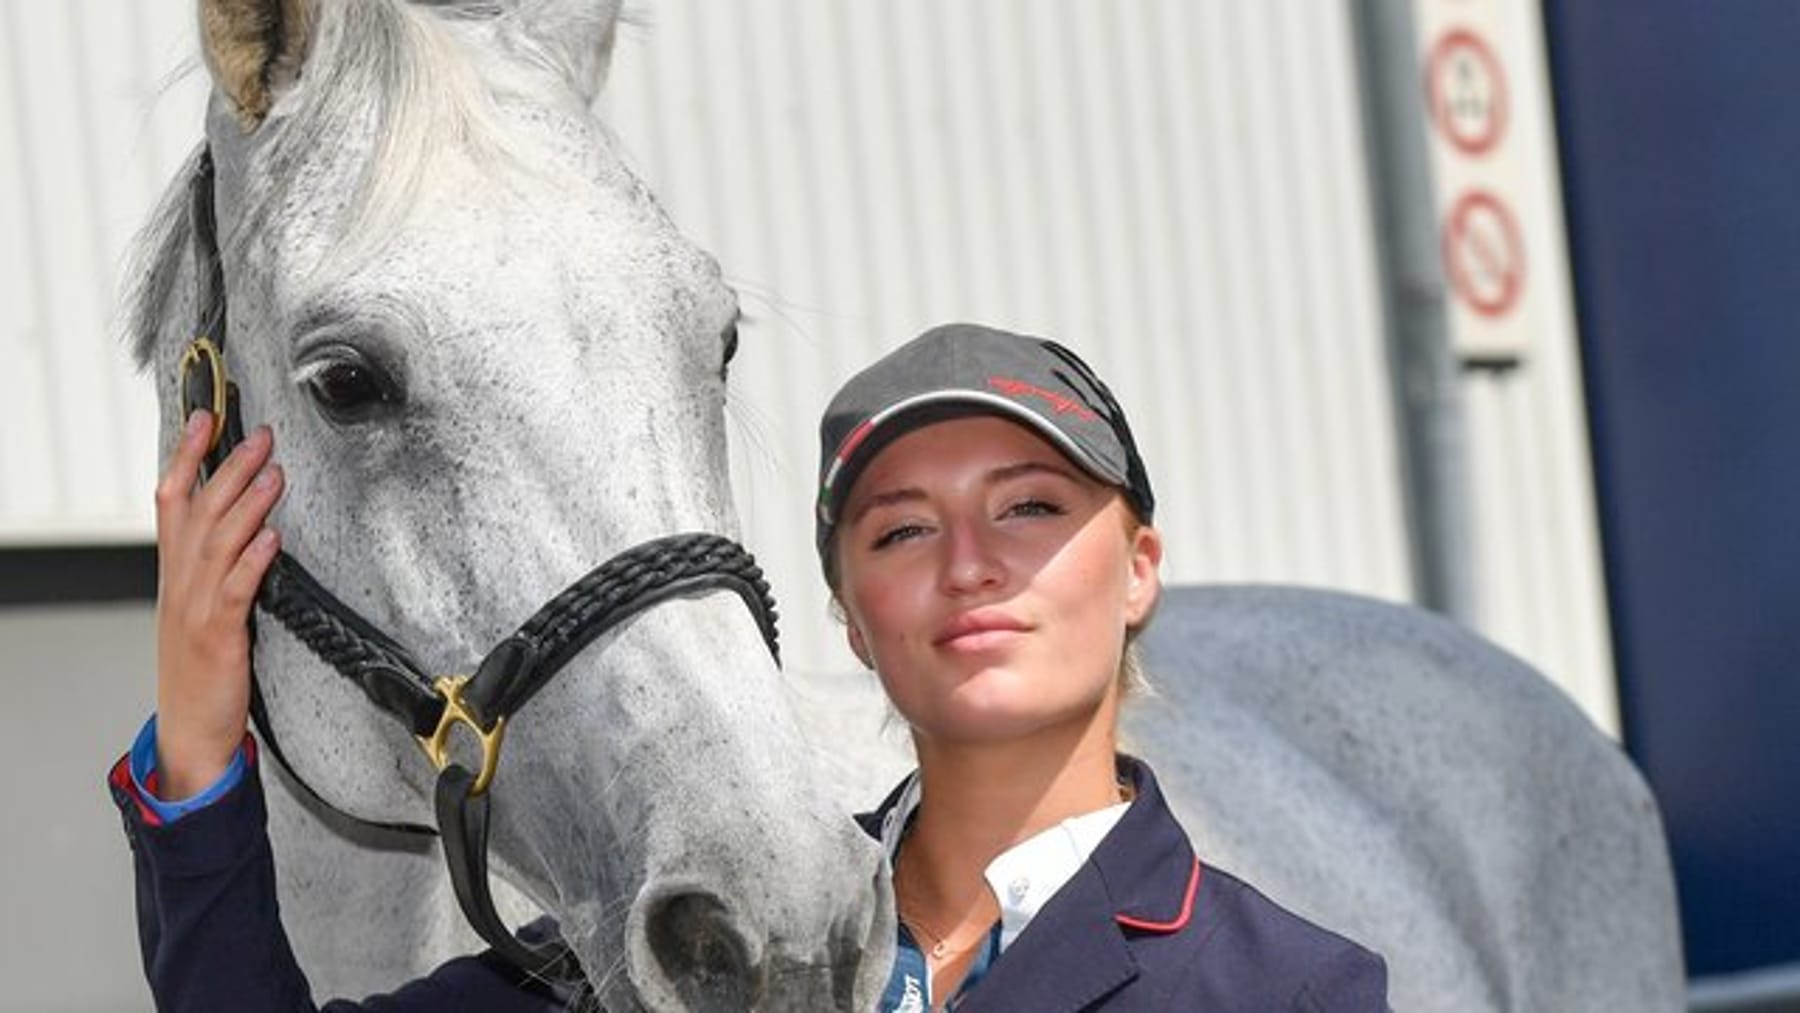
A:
x,y
1025,876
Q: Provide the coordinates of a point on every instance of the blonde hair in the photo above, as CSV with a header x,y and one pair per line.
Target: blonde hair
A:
x,y
1132,678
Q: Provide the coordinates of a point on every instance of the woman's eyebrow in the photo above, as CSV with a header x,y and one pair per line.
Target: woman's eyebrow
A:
x,y
1024,468
1005,473
881,499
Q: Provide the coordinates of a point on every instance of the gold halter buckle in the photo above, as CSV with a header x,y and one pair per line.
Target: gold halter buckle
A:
x,y
201,352
437,744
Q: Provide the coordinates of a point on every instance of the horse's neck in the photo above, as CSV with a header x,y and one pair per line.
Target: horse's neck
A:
x,y
860,742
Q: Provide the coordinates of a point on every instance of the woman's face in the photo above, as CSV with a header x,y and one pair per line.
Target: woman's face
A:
x,y
989,581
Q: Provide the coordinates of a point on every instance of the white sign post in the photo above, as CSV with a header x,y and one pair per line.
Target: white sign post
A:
x,y
1485,100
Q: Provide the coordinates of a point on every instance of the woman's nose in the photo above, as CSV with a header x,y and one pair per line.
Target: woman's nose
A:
x,y
971,561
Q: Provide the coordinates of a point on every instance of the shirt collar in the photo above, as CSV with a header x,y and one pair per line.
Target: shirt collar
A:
x,y
1025,876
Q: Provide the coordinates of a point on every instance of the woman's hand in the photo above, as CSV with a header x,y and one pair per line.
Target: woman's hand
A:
x,y
212,551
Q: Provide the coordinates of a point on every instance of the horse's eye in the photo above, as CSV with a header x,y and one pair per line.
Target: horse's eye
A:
x,y
348,390
730,340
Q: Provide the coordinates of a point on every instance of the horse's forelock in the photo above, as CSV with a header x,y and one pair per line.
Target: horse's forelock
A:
x,y
362,71
393,74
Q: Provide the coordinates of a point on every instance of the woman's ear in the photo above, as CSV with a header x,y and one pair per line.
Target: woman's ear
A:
x,y
1145,586
858,646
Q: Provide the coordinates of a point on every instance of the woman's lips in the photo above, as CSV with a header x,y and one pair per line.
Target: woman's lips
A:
x,y
979,631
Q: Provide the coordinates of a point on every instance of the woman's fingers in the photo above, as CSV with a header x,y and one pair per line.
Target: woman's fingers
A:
x,y
213,541
177,482
178,506
214,547
226,485
238,590
232,534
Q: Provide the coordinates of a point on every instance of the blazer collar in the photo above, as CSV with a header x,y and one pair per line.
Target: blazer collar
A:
x,y
873,821
1147,862
1150,869
1142,880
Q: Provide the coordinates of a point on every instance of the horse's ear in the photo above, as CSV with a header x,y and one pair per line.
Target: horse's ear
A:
x,y
254,48
576,36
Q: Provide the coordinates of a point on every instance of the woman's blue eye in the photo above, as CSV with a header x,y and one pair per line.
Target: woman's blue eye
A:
x,y
1034,508
897,534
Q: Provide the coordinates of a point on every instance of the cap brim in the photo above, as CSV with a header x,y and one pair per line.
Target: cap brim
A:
x,y
904,416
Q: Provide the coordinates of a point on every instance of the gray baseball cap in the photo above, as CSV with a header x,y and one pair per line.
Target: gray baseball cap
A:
x,y
958,370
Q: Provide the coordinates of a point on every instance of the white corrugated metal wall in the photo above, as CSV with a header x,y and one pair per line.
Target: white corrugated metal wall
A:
x,y
1178,189
93,121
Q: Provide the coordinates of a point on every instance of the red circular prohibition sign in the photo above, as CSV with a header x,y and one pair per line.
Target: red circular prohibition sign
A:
x,y
1483,253
1462,52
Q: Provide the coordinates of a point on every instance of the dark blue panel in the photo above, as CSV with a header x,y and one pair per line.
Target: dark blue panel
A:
x,y
1679,122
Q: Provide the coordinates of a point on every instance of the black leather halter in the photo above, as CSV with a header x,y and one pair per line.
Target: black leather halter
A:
x,y
676,566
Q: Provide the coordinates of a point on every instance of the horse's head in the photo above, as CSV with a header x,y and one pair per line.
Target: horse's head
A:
x,y
491,362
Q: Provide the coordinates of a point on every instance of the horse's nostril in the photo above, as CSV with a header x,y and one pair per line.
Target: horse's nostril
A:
x,y
701,953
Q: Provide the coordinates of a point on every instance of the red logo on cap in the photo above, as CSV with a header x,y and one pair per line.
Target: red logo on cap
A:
x,y
1061,403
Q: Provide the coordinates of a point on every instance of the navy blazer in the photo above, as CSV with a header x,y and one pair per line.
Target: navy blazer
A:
x,y
1145,926
1142,926
211,932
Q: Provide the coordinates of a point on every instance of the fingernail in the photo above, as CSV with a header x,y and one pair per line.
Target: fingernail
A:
x,y
265,478
197,423
257,439
265,539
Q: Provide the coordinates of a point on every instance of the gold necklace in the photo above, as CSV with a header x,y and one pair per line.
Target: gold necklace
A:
x,y
941,949
940,946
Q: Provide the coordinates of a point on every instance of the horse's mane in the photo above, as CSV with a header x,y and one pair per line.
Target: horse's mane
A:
x,y
156,264
386,70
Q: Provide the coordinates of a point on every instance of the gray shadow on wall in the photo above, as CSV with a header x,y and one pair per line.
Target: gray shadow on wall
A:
x,y
76,683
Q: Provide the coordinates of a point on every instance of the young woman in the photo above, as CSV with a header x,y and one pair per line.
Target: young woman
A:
x,y
984,523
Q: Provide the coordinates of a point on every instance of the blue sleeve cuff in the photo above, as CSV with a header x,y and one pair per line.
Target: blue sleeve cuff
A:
x,y
143,766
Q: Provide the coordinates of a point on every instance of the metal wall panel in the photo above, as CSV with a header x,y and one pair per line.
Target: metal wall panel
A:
x,y
1540,592
92,121
1177,189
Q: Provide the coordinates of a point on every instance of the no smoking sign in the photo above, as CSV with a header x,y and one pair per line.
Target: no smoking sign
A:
x,y
1483,254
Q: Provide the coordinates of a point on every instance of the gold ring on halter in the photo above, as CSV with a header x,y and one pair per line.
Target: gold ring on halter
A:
x,y
203,354
437,744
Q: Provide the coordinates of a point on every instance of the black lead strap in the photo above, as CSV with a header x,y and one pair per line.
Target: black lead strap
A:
x,y
677,566
463,818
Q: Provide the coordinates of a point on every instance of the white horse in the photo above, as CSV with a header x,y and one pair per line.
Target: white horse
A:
x,y
491,363
1394,776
